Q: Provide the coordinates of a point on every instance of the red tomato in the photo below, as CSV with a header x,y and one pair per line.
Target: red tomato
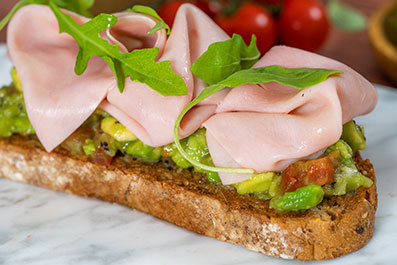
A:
x,y
211,8
304,24
252,19
168,11
270,2
320,171
100,157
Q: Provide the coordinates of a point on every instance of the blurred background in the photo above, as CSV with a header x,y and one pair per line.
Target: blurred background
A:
x,y
359,33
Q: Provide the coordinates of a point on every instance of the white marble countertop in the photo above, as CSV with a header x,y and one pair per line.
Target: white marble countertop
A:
x,y
40,227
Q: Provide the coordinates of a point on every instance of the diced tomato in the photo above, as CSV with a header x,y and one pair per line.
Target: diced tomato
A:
x,y
74,143
320,171
165,153
100,157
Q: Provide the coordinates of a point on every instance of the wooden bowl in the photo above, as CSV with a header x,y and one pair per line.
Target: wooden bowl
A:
x,y
385,51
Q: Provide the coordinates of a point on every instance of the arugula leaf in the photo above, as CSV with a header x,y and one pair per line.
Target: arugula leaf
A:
x,y
225,58
18,6
139,65
299,78
78,6
150,12
249,55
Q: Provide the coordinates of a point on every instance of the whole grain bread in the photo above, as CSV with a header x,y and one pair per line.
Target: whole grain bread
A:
x,y
336,227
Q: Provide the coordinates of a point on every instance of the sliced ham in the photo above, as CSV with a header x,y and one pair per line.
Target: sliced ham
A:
x,y
266,127
192,33
58,101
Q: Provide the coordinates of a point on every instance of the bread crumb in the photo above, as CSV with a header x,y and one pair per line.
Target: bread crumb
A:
x,y
285,256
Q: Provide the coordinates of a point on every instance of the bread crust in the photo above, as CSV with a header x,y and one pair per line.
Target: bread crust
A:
x,y
336,227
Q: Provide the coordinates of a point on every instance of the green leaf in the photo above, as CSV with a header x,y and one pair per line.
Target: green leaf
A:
x,y
299,78
225,58
151,12
249,55
346,17
18,6
139,65
78,6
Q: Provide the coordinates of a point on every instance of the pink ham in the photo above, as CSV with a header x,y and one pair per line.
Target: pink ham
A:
x,y
58,101
152,116
266,127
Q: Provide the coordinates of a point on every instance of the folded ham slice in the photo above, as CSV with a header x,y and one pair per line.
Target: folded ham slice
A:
x,y
152,116
266,127
58,101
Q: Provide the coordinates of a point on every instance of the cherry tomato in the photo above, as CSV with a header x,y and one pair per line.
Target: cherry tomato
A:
x,y
270,2
251,19
320,171
304,24
168,11
210,7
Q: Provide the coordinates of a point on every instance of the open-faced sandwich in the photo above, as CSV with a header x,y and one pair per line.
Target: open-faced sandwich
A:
x,y
191,126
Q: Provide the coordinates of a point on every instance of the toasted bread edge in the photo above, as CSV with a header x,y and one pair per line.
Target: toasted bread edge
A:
x,y
336,227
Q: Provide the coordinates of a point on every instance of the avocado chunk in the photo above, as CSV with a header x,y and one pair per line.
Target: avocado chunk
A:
x,y
353,134
15,79
89,147
117,130
347,176
302,199
264,185
141,151
196,146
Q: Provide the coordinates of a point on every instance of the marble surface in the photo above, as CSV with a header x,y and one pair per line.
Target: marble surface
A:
x,y
41,227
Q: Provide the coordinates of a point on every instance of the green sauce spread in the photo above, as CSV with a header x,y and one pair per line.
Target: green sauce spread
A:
x,y
13,117
102,137
113,137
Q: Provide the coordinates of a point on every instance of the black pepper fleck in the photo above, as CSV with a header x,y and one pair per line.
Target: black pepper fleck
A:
x,y
104,144
359,229
20,107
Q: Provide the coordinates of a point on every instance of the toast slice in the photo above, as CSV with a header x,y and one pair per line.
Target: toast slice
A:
x,y
336,227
